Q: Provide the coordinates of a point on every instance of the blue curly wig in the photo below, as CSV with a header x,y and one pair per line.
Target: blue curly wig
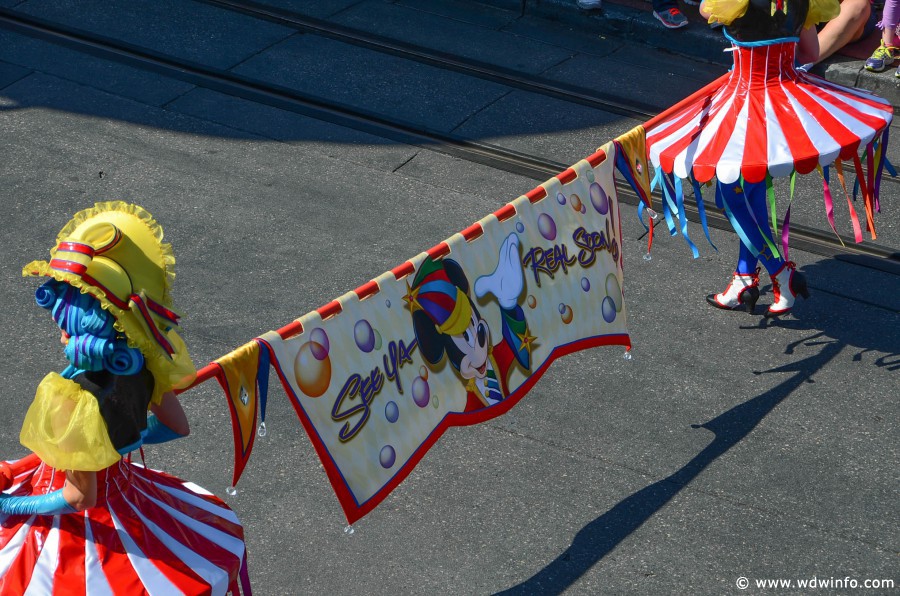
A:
x,y
94,344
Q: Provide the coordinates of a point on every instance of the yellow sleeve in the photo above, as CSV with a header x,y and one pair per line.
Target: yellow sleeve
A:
x,y
65,429
725,11
821,11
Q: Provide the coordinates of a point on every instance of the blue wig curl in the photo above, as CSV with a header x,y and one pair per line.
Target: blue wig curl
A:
x,y
94,344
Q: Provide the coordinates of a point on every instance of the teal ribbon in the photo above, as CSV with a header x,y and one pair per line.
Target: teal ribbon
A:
x,y
682,216
698,195
720,198
770,241
668,203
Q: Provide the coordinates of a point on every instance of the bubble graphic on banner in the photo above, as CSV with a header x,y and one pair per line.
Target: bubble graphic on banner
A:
x,y
319,336
520,227
387,303
608,310
387,457
546,226
614,290
377,340
319,351
599,199
421,392
566,314
590,175
423,372
364,335
583,209
434,401
560,198
312,369
585,284
576,202
391,411
531,301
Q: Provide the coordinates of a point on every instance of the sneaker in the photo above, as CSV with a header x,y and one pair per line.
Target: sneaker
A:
x,y
589,4
882,58
671,18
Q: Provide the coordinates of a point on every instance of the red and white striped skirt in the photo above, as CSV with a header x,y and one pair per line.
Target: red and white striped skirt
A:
x,y
765,117
150,533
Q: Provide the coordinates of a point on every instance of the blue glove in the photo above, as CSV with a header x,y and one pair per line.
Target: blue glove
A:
x,y
49,504
157,432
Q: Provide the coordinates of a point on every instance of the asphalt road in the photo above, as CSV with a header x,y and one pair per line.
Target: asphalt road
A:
x,y
726,448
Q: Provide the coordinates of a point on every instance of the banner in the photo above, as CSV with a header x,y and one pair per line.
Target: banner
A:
x,y
455,336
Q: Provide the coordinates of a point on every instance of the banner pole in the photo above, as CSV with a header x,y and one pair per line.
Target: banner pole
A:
x,y
206,373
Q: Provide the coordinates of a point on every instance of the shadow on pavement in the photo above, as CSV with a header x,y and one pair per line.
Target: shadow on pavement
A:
x,y
865,330
852,322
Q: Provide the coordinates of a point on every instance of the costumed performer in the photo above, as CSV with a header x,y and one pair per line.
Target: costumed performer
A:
x,y
78,516
766,119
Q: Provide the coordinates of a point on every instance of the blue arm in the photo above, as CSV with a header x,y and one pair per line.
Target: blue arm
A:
x,y
157,432
49,504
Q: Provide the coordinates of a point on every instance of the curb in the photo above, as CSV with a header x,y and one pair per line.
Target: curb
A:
x,y
633,20
635,23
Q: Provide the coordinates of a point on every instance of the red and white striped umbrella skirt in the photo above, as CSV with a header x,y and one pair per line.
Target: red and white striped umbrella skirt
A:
x,y
765,116
150,533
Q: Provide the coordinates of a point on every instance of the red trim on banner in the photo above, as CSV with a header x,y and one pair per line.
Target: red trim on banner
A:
x,y
567,175
331,470
367,290
213,370
354,511
596,158
536,194
472,232
290,330
329,310
401,271
241,455
438,251
505,212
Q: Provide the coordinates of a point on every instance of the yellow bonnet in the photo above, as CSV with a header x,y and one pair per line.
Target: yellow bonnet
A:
x,y
114,252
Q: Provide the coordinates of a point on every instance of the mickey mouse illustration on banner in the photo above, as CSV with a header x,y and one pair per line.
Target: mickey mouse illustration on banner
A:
x,y
447,321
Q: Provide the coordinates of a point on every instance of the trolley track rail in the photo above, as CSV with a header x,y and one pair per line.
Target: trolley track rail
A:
x,y
636,110
805,238
482,70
